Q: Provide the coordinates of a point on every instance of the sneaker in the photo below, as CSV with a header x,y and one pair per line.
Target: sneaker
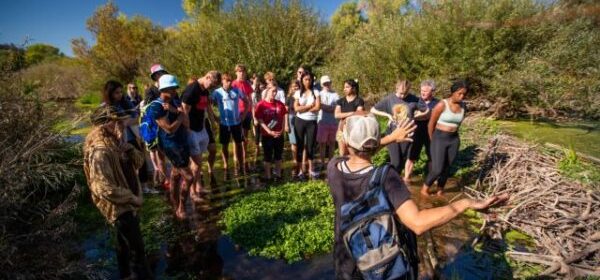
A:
x,y
147,190
314,175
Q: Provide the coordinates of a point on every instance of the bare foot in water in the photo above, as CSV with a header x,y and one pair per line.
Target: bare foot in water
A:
x,y
180,213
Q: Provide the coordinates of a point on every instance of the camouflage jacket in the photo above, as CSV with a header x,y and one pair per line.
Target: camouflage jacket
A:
x,y
104,174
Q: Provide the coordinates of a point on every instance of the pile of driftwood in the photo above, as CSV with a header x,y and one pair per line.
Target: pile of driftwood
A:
x,y
561,215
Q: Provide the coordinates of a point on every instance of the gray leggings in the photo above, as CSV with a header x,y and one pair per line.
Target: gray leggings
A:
x,y
444,148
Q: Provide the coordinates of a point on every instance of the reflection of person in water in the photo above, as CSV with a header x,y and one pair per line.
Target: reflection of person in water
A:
x,y
196,252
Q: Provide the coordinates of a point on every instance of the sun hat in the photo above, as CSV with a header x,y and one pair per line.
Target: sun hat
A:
x,y
167,81
360,130
105,114
325,79
155,69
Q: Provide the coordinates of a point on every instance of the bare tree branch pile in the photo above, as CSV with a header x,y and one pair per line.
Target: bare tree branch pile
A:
x,y
561,215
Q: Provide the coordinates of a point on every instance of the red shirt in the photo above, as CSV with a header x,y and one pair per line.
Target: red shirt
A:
x,y
267,112
244,87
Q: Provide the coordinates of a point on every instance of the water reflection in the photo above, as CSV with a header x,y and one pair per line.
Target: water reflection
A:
x,y
202,252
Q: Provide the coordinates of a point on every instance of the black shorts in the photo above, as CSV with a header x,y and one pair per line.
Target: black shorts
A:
x,y
179,155
420,139
227,132
247,122
272,148
209,131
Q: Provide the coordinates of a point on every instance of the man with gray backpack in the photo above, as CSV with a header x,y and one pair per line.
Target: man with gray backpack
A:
x,y
375,219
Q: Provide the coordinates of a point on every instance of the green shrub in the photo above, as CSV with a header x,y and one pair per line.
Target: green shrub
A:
x,y
292,221
529,57
273,36
571,166
39,174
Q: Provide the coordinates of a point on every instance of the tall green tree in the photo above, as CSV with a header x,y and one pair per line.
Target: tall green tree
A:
x,y
122,44
194,8
12,58
346,19
37,53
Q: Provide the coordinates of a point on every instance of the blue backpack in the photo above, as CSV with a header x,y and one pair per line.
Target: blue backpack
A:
x,y
380,245
149,127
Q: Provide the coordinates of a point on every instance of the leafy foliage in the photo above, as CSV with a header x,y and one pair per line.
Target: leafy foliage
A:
x,y
571,166
39,174
529,57
122,44
275,36
291,221
57,78
346,20
37,53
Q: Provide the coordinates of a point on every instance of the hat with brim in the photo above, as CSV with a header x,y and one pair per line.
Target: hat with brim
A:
x,y
167,81
155,70
106,114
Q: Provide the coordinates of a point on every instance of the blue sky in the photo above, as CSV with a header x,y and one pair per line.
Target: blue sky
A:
x,y
56,22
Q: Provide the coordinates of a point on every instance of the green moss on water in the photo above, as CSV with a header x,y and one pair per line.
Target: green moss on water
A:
x,y
290,221
582,137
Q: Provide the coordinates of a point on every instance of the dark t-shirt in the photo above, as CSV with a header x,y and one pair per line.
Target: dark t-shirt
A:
x,y
345,187
422,124
350,106
156,111
197,98
387,104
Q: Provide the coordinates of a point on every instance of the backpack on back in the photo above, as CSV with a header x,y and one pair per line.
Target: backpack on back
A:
x,y
381,246
148,127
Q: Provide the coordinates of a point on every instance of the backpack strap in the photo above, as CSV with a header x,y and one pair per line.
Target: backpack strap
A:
x,y
378,176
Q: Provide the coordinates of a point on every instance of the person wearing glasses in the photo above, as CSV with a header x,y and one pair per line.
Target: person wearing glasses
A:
x,y
133,95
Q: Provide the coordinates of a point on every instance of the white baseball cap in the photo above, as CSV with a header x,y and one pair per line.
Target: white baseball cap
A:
x,y
360,130
325,79
167,81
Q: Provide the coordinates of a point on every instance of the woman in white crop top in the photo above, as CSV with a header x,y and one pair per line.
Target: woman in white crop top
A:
x,y
445,120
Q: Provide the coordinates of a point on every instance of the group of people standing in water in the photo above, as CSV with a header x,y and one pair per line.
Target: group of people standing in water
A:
x,y
165,125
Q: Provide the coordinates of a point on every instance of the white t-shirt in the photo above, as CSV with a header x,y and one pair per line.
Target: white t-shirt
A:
x,y
304,100
280,95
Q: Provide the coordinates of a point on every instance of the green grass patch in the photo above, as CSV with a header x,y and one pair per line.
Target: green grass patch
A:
x,y
291,221
89,101
572,167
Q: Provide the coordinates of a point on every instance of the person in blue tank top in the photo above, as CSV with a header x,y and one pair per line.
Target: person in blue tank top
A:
x,y
445,120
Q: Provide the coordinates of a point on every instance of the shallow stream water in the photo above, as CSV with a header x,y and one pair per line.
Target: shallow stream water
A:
x,y
205,253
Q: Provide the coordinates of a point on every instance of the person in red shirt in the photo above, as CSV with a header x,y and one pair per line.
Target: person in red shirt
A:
x,y
272,116
244,86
